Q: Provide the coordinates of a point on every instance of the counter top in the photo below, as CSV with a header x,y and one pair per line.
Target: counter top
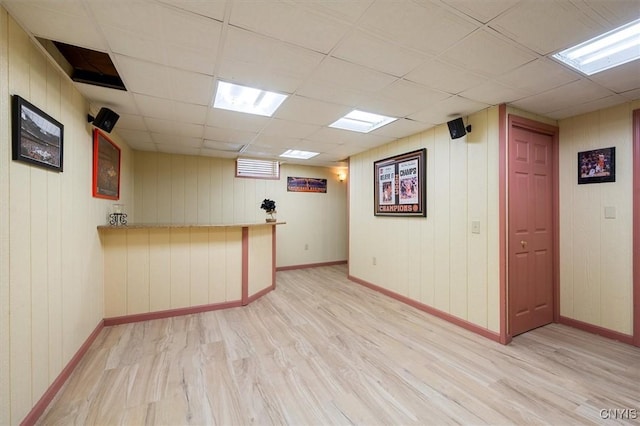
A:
x,y
184,226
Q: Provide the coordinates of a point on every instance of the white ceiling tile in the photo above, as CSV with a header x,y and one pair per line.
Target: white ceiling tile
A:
x,y
493,93
190,87
620,79
217,153
355,77
164,139
452,107
171,110
132,122
572,94
615,13
208,8
177,149
278,143
484,10
280,128
427,27
339,136
402,128
564,25
444,77
413,95
236,120
119,101
293,24
349,11
173,128
66,21
134,45
142,76
133,137
487,54
538,76
222,146
222,134
143,18
329,92
310,111
189,30
378,54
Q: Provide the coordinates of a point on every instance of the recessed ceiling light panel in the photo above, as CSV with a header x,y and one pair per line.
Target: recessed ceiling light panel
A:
x,y
606,51
300,155
361,121
247,99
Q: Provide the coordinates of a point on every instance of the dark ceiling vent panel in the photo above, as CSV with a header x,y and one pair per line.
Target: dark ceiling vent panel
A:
x,y
90,66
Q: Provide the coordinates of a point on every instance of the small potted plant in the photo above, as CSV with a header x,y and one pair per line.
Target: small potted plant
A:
x,y
269,206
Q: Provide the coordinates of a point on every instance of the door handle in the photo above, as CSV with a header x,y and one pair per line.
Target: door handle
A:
x,y
523,243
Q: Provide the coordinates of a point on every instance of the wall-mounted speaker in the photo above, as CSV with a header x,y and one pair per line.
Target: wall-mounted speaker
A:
x,y
105,119
457,128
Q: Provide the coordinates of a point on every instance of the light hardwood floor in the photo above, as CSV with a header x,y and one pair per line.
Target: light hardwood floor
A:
x,y
321,350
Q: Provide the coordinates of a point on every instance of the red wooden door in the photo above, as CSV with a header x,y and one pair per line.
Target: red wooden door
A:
x,y
530,288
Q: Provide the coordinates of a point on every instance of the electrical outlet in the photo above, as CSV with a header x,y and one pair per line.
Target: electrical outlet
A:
x,y
374,261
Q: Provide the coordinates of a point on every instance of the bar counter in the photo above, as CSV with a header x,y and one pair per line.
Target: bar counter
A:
x,y
161,270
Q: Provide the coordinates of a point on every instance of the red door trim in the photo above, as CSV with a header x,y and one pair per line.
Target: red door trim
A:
x,y
636,227
505,337
553,131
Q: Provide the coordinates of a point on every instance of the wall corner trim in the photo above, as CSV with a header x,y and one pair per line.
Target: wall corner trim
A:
x,y
42,404
484,332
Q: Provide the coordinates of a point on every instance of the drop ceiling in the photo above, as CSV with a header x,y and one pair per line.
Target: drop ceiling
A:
x,y
424,62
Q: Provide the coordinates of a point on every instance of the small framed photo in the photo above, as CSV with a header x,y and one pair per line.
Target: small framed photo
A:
x,y
106,167
400,185
597,166
37,138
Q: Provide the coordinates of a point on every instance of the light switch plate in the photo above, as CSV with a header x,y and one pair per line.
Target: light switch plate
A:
x,y
609,212
475,227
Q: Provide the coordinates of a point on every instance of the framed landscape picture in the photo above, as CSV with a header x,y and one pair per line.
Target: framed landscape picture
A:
x,y
400,187
106,167
37,138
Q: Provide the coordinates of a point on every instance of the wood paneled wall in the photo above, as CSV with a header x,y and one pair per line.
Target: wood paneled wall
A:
x,y
436,260
596,254
51,266
182,189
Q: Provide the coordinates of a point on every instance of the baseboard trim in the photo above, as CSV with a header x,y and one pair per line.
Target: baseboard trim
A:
x,y
595,329
261,293
431,310
127,319
53,389
311,265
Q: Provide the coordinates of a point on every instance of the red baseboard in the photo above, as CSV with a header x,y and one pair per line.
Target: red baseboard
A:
x,y
261,293
311,265
126,319
53,389
431,310
594,329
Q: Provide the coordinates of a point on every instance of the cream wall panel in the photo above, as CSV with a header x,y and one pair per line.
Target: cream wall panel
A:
x,y
435,260
160,270
198,267
217,262
493,220
260,266
234,264
5,336
596,253
51,256
205,191
137,271
164,181
115,274
180,276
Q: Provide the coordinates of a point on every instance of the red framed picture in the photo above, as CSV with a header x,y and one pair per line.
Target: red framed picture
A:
x,y
106,167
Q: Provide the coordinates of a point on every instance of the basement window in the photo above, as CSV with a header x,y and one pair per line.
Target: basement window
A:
x,y
257,169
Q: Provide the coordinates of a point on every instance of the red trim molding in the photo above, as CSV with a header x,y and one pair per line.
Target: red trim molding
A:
x,y
311,265
431,310
147,316
53,389
505,337
245,265
636,227
594,329
261,293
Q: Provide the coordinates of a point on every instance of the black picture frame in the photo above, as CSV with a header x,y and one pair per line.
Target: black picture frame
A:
x,y
37,138
597,166
400,185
